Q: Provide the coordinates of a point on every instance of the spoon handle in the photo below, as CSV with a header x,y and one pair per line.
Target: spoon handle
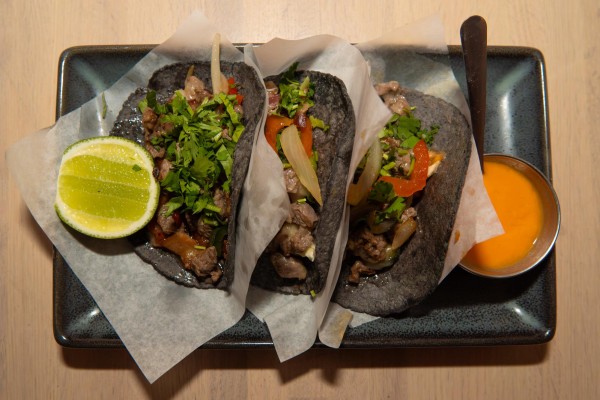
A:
x,y
473,35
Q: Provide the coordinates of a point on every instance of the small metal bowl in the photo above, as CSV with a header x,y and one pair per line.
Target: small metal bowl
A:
x,y
550,227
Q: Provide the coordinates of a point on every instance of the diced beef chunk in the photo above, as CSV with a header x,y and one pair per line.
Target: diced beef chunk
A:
x,y
292,183
294,239
392,95
359,269
168,223
222,201
194,91
288,267
302,214
272,95
203,230
162,168
149,118
365,243
203,262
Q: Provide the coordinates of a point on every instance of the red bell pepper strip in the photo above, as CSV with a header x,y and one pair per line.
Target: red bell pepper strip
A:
x,y
233,90
273,126
306,132
418,178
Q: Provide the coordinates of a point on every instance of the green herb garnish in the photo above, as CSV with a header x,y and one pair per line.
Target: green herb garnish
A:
x,y
318,123
104,106
394,211
294,95
382,192
200,144
407,129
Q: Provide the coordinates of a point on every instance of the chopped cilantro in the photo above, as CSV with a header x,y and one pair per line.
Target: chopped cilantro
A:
x,y
389,166
410,142
104,106
407,129
200,144
293,94
314,159
318,123
393,211
382,192
173,204
150,101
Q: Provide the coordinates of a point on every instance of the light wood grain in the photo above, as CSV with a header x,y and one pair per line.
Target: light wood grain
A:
x,y
33,366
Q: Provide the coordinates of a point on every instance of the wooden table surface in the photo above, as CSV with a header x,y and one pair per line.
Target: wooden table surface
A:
x,y
34,366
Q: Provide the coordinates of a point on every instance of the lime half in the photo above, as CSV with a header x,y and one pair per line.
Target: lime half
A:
x,y
105,187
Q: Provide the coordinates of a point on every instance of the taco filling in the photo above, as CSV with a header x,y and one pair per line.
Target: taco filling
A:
x,y
310,126
387,185
193,138
289,131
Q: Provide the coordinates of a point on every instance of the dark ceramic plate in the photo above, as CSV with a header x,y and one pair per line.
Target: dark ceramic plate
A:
x,y
465,310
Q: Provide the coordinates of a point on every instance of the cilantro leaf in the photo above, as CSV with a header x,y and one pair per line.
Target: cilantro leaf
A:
x,y
409,142
171,182
173,204
407,129
289,76
225,159
382,192
393,211
318,123
429,135
204,169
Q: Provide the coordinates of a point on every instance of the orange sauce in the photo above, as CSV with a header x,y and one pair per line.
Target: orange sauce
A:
x,y
519,208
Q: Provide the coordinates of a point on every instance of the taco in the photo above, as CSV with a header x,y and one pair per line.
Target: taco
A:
x,y
201,142
402,216
311,127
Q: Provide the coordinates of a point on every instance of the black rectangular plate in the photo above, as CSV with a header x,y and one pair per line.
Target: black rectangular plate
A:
x,y
465,310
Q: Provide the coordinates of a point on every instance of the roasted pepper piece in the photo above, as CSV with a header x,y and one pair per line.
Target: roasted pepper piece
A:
x,y
418,178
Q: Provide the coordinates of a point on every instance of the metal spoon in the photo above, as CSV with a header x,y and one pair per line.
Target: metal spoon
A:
x,y
473,35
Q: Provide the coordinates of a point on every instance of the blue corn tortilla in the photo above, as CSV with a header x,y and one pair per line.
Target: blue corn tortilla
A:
x,y
129,125
416,273
334,147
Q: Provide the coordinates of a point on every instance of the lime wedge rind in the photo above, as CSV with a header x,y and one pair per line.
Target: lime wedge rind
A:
x,y
104,228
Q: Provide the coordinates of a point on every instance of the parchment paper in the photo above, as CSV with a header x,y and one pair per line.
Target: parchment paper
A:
x,y
159,321
476,218
293,321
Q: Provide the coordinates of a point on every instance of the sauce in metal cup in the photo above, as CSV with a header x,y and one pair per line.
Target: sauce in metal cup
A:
x,y
530,215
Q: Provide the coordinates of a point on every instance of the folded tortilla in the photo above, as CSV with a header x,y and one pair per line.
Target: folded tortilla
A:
x,y
129,125
334,147
416,273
